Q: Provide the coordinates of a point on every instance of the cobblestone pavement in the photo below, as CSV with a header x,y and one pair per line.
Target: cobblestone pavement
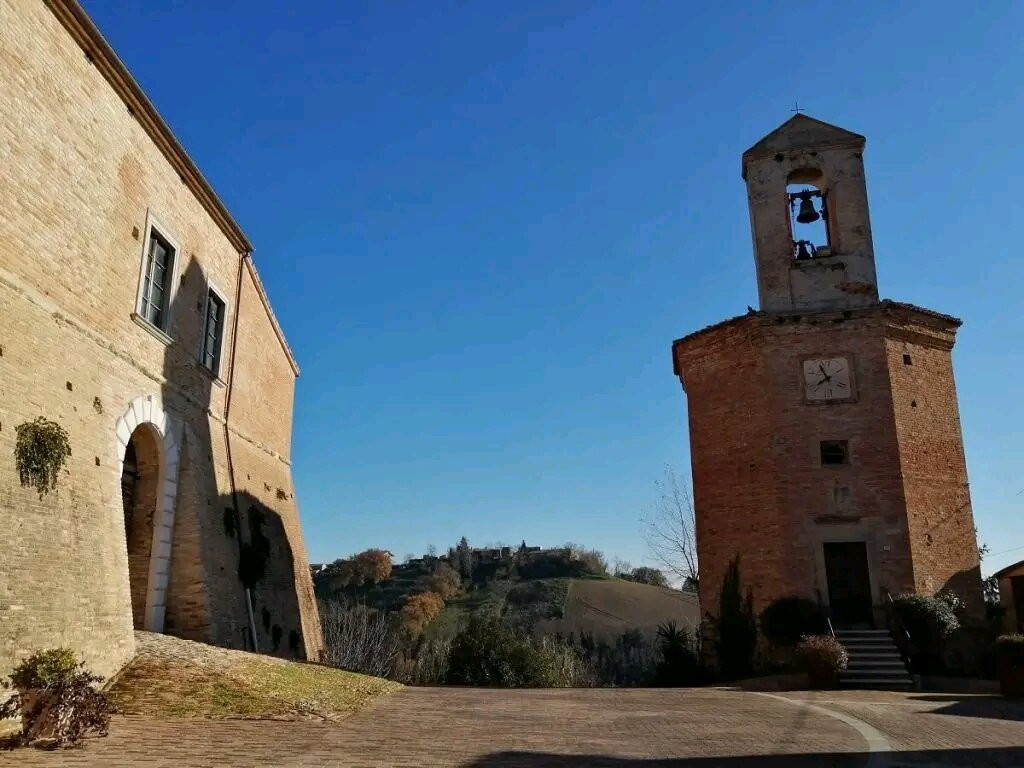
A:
x,y
694,728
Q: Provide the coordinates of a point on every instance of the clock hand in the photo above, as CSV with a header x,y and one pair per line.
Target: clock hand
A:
x,y
822,369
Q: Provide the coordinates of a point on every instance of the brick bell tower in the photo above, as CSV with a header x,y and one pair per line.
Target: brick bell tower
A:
x,y
824,428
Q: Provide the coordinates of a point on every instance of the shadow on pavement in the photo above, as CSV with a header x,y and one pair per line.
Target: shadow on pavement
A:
x,y
946,758
990,707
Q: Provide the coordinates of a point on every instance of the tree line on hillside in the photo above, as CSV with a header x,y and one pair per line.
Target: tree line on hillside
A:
x,y
377,614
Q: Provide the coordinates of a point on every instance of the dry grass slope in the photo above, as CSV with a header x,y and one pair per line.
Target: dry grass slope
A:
x,y
609,607
180,678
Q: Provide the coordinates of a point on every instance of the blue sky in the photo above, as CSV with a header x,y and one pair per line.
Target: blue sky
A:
x,y
482,224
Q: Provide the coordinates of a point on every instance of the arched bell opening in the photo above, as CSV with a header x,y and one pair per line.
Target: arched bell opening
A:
x,y
141,480
808,203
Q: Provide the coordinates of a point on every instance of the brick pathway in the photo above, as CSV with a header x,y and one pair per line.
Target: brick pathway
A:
x,y
695,728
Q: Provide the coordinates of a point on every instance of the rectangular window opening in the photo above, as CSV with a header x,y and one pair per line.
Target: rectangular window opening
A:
x,y
156,280
835,452
907,360
213,331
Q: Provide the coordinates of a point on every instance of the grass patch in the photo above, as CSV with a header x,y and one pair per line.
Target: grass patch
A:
x,y
178,678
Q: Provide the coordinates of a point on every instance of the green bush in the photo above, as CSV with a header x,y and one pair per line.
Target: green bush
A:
x,y
44,669
57,700
488,652
822,657
929,621
679,664
1009,653
786,620
735,627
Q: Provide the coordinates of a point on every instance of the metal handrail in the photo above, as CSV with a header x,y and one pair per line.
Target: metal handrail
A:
x,y
894,617
831,631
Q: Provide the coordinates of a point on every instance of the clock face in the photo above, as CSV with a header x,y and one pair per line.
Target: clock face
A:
x,y
827,379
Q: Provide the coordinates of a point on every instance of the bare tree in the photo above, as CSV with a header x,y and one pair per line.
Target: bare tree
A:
x,y
669,529
358,638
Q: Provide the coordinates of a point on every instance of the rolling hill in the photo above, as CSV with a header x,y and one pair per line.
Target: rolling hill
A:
x,y
609,607
601,607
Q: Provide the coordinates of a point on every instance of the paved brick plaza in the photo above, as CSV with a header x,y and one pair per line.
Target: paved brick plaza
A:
x,y
583,728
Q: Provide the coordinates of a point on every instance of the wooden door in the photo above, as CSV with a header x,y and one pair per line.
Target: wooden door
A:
x,y
849,583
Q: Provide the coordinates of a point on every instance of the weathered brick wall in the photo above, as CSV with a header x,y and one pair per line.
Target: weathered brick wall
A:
x,y
734,490
260,454
932,461
760,489
80,175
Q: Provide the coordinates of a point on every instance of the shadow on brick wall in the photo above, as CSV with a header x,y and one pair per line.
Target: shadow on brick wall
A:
x,y
222,543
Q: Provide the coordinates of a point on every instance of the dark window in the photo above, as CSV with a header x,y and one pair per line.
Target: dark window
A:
x,y
213,331
907,360
835,452
156,280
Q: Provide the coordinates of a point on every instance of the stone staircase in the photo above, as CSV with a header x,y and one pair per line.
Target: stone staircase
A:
x,y
875,661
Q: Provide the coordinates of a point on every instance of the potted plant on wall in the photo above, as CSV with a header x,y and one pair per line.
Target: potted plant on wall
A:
x,y
57,700
1010,665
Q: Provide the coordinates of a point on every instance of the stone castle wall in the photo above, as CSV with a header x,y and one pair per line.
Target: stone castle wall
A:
x,y
81,177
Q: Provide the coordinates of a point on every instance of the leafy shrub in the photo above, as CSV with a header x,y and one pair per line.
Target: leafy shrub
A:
x,y
735,627
929,621
40,451
679,664
822,657
1010,652
786,620
488,652
45,668
57,700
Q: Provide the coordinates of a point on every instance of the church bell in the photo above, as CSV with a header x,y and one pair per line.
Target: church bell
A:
x,y
807,214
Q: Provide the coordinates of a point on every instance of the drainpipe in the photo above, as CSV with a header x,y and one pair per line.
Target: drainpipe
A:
x,y
227,438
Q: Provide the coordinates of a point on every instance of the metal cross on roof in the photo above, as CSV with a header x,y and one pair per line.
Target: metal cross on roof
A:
x,y
797,108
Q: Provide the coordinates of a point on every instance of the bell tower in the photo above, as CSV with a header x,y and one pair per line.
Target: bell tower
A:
x,y
809,215
825,438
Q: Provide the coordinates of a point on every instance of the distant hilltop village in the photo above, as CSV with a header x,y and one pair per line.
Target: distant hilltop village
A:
x,y
478,555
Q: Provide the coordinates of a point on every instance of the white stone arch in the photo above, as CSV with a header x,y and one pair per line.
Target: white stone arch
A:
x,y
148,410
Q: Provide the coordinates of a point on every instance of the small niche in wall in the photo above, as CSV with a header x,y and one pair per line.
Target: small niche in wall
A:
x,y
907,360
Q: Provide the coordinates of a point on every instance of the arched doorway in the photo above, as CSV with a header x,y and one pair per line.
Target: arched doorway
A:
x,y
140,486
147,455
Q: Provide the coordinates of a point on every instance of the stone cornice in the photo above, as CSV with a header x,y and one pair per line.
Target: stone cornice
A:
x,y
903,321
82,29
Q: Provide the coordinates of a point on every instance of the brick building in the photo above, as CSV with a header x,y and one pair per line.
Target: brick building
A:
x,y
824,428
131,313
